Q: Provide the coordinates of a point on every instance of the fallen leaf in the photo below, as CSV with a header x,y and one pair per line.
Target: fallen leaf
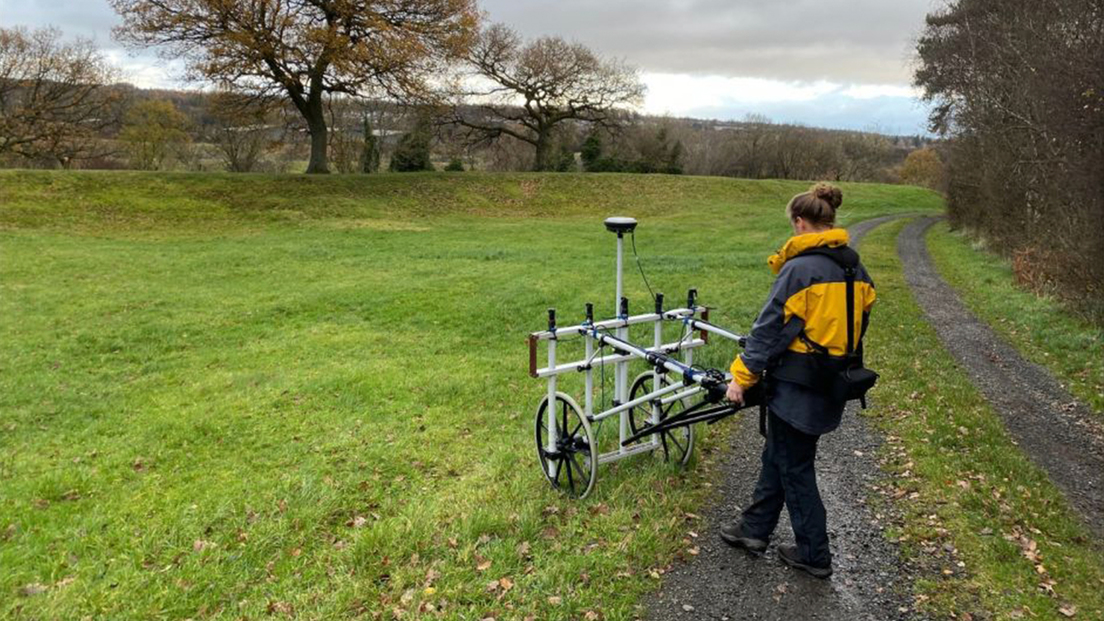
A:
x,y
1068,610
505,583
555,600
33,588
483,565
281,608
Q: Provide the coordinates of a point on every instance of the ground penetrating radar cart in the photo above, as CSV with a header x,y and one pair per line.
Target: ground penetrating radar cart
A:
x,y
655,412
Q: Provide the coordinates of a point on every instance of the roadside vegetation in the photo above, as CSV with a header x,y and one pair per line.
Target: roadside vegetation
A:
x,y
1014,88
1039,326
997,538
234,396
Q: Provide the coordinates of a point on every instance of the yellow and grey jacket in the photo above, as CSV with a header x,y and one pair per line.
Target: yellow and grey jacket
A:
x,y
808,295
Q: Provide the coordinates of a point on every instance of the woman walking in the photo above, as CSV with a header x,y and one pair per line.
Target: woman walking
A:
x,y
797,346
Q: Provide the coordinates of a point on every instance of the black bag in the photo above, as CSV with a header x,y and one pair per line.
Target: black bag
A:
x,y
844,378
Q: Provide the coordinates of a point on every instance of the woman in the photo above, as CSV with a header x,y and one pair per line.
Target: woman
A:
x,y
799,335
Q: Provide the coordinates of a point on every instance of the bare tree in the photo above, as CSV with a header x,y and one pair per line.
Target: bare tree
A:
x,y
533,88
55,97
303,50
243,130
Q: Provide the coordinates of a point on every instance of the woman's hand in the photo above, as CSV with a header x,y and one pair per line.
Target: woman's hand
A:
x,y
735,393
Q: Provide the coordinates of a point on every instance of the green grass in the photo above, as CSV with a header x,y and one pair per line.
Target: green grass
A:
x,y
226,396
1038,326
962,490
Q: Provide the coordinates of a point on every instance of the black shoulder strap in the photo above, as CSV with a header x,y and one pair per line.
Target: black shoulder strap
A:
x,y
848,259
849,275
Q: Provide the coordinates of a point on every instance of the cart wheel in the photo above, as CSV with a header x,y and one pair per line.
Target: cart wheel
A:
x,y
677,443
572,466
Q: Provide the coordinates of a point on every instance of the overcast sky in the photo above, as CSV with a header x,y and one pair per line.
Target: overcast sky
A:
x,y
831,63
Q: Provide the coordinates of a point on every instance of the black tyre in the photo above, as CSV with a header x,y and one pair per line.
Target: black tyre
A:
x,y
677,445
571,463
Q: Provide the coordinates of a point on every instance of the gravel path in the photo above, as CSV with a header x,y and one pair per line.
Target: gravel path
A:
x,y
724,583
1059,433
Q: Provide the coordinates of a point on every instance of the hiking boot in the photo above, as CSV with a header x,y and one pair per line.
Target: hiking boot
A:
x,y
789,555
733,534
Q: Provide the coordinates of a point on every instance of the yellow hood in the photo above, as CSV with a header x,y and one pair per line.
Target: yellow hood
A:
x,y
800,243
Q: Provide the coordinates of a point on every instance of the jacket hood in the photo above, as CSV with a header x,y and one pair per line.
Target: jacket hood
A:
x,y
797,244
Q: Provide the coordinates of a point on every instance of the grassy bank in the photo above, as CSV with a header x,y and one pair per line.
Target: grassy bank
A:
x,y
969,505
235,396
1038,326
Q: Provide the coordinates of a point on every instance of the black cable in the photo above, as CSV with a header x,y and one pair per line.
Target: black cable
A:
x,y
641,267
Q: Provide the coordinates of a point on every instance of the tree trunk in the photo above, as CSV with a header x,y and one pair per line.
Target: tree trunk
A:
x,y
540,161
316,123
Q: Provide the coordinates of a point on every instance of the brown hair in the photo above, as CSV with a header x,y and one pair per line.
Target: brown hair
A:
x,y
817,206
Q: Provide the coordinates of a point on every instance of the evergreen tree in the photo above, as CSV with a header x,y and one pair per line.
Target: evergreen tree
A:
x,y
591,152
412,152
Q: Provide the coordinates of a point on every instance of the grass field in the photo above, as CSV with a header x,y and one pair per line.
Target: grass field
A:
x,y
1038,326
233,396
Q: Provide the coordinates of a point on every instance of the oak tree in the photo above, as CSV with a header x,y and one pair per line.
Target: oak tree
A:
x,y
56,97
529,90
304,50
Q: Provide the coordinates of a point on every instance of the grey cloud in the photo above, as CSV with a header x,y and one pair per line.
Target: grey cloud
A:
x,y
92,19
866,41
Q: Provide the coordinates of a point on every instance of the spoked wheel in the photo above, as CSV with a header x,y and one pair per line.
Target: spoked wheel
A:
x,y
677,444
571,463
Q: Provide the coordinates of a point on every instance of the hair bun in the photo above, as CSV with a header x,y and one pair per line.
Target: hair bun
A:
x,y
828,193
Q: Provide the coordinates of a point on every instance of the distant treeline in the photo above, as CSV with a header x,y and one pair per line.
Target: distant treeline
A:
x,y
477,96
1019,88
215,131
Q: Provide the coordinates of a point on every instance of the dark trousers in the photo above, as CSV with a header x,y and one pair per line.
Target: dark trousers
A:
x,y
788,477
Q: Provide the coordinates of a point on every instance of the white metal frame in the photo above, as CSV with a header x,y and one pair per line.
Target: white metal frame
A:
x,y
695,331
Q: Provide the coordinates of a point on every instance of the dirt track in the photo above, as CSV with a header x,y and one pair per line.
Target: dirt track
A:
x,y
724,583
1060,434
